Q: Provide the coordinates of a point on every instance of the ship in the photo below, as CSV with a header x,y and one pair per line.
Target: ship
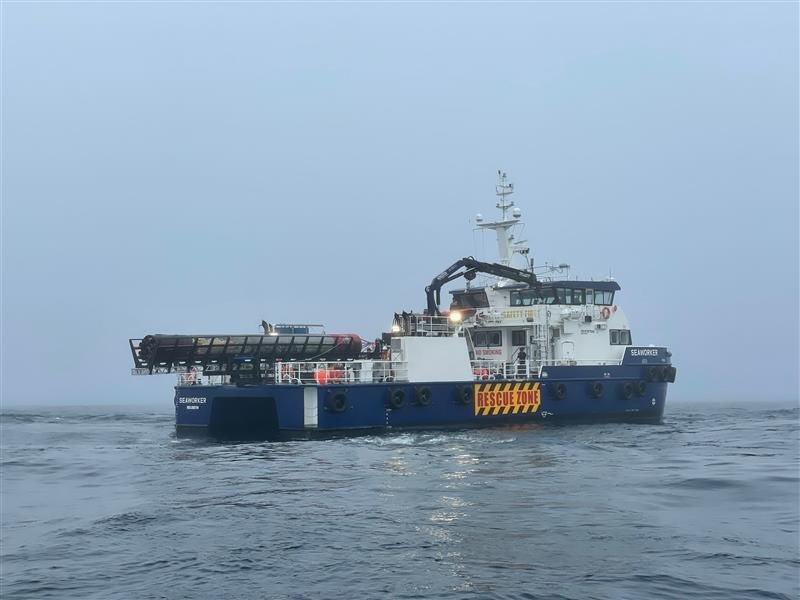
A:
x,y
519,344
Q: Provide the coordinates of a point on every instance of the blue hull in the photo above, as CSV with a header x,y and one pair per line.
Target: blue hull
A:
x,y
568,394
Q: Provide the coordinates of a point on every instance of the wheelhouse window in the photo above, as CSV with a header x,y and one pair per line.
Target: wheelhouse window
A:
x,y
603,298
620,337
570,296
471,300
531,297
518,337
487,339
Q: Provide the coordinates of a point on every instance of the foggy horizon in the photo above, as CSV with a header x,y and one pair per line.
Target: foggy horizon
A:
x,y
182,169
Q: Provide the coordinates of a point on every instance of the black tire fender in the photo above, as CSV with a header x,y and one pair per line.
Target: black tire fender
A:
x,y
559,390
464,395
422,396
626,390
338,402
596,389
397,398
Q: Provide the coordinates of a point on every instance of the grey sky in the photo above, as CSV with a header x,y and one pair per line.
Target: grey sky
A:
x,y
199,167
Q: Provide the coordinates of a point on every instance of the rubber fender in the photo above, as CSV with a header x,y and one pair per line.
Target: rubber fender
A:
x,y
422,396
338,402
596,389
626,390
652,374
641,388
464,395
559,390
397,398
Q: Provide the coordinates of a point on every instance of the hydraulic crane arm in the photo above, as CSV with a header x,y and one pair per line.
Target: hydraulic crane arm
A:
x,y
471,268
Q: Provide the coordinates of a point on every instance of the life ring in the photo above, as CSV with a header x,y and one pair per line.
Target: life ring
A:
x,y
422,396
626,390
605,312
464,395
559,390
338,402
641,388
397,398
597,389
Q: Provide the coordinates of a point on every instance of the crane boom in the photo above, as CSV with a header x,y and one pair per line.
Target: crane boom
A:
x,y
471,268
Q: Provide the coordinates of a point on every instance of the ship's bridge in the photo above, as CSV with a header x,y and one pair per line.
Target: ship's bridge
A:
x,y
567,292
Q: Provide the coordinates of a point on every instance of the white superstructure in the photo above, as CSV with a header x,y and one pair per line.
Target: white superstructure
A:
x,y
560,321
508,325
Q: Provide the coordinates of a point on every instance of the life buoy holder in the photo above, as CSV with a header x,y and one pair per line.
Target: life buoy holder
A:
x,y
605,312
397,398
422,396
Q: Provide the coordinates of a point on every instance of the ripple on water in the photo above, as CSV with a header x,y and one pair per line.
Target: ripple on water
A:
x,y
108,503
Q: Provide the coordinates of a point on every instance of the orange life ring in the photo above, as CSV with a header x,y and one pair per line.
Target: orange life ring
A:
x,y
605,312
321,376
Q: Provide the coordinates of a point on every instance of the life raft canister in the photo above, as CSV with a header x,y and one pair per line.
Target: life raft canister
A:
x,y
605,312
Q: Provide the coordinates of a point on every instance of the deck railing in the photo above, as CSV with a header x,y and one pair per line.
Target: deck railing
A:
x,y
422,325
349,372
487,370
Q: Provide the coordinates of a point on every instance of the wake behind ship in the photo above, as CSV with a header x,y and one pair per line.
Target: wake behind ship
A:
x,y
524,346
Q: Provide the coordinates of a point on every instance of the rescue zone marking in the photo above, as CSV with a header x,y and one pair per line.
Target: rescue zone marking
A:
x,y
506,398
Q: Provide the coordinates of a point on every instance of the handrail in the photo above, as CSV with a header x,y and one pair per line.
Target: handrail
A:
x,y
349,372
487,370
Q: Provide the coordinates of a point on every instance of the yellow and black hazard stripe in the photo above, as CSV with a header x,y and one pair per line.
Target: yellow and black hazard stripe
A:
x,y
506,398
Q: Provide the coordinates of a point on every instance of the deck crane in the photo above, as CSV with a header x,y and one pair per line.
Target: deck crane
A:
x,y
471,268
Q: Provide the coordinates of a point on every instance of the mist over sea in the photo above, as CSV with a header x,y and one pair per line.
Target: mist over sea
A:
x,y
104,502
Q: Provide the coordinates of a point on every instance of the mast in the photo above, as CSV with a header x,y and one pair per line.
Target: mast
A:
x,y
502,228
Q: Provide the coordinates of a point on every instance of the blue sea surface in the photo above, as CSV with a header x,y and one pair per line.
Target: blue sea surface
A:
x,y
106,502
